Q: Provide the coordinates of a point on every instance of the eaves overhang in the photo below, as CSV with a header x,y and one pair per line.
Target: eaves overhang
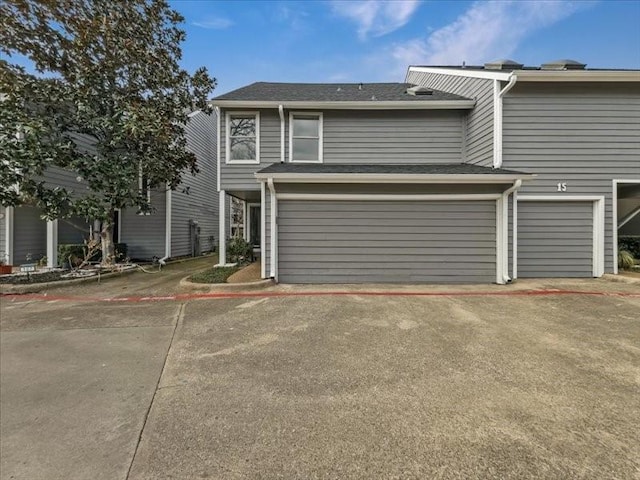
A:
x,y
349,105
392,178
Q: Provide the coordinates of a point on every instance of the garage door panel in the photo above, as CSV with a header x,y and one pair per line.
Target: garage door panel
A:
x,y
555,239
388,242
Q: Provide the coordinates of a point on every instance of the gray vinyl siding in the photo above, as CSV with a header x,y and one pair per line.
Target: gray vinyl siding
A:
x,y
29,235
479,121
145,234
584,135
386,242
201,202
3,235
555,239
240,177
353,137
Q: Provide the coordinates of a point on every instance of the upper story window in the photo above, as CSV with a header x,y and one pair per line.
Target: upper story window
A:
x,y
243,137
305,137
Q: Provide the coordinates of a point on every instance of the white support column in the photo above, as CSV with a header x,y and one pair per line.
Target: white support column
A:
x,y
263,232
52,243
514,251
222,233
499,242
245,220
9,212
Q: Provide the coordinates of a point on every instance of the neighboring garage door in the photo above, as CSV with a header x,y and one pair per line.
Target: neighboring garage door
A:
x,y
555,239
386,242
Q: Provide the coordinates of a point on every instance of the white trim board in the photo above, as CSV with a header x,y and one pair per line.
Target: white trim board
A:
x,y
263,233
614,222
386,197
598,224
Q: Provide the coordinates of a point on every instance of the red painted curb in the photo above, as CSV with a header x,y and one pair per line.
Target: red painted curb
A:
x,y
201,296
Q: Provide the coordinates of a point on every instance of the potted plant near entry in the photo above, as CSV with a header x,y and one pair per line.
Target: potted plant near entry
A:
x,y
4,268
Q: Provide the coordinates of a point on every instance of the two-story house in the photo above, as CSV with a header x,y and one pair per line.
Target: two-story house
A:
x,y
181,222
462,174
360,183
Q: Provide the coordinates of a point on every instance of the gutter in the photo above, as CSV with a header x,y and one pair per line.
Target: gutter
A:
x,y
352,105
274,236
498,118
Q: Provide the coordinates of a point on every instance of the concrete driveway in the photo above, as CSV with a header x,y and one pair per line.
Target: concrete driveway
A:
x,y
344,386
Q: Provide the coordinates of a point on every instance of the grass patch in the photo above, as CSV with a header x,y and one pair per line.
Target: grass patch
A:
x,y
214,275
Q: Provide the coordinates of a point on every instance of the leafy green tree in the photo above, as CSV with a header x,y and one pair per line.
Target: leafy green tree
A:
x,y
107,71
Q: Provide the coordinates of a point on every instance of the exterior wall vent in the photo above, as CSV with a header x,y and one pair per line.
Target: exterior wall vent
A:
x,y
504,64
564,64
419,90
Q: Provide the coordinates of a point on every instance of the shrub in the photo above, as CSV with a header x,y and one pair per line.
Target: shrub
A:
x,y
625,260
76,252
239,250
630,244
214,275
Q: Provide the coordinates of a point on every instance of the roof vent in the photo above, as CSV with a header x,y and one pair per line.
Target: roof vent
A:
x,y
419,90
503,64
564,64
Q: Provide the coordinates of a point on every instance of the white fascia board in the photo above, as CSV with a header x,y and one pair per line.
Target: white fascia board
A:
x,y
355,105
577,76
390,178
538,75
387,197
484,74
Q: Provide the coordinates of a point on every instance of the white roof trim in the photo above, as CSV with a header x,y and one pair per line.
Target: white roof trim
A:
x,y
489,75
354,105
391,178
538,75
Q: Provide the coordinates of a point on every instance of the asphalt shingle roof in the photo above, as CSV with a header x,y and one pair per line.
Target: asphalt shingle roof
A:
x,y
428,169
332,92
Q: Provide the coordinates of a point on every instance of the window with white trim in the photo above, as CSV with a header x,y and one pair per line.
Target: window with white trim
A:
x,y
243,137
305,137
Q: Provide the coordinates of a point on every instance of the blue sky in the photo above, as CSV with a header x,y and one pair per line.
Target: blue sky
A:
x,y
241,42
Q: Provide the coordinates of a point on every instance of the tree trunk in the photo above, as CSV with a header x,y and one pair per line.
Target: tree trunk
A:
x,y
108,247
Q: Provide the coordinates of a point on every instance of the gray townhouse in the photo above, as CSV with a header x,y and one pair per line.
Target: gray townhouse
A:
x,y
460,174
182,222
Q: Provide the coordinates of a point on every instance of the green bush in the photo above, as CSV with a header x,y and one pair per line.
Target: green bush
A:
x,y
78,251
625,260
239,250
630,244
214,275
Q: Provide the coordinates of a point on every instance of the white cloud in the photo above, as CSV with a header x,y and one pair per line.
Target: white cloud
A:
x,y
214,23
486,31
376,17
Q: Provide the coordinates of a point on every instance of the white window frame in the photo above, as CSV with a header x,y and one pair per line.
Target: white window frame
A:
x,y
227,125
292,115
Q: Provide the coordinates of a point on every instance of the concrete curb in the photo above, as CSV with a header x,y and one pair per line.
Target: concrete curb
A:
x,y
226,287
9,289
620,278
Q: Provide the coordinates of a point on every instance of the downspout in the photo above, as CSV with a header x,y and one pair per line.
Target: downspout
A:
x,y
281,112
274,237
505,230
497,116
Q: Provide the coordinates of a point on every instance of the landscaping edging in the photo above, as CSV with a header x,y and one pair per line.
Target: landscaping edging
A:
x,y
185,283
8,289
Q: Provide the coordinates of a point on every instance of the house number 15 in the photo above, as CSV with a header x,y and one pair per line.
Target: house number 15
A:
x,y
562,187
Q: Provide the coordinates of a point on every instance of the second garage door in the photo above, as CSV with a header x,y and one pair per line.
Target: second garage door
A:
x,y
555,239
386,242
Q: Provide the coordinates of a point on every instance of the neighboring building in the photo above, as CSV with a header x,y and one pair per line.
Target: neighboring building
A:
x,y
183,222
459,175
